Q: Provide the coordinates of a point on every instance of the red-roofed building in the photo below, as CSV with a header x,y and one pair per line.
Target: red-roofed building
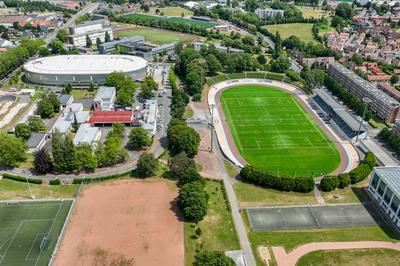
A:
x,y
378,78
396,71
107,118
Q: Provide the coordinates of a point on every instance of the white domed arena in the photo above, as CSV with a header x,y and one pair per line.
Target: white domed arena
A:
x,y
82,69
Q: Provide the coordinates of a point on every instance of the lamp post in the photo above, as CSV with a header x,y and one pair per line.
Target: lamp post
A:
x,y
366,101
29,186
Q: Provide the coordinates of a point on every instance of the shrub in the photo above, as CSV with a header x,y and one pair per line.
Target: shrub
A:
x,y
329,183
370,159
97,179
283,183
55,181
212,258
359,173
196,97
344,180
21,178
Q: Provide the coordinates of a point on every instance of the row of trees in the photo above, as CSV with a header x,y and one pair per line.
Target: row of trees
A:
x,y
270,180
358,174
125,87
30,6
15,57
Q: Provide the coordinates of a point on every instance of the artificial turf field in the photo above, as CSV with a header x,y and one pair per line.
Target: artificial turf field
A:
x,y
272,131
23,228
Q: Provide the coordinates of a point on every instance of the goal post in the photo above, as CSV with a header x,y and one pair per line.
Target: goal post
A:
x,y
44,244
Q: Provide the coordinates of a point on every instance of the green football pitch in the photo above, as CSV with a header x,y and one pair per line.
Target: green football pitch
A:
x,y
272,131
29,231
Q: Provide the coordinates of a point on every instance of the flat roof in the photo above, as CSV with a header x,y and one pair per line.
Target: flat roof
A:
x,y
111,117
85,64
391,176
104,93
85,134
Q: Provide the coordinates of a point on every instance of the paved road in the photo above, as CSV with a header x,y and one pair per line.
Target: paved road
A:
x,y
237,218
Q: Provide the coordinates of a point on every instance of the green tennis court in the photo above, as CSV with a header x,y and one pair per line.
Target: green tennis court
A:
x,y
272,131
29,230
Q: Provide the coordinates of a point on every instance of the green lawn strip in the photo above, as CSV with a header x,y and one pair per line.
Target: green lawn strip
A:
x,y
350,194
301,30
292,239
273,131
80,94
188,112
218,231
232,171
25,225
313,13
156,36
251,195
354,257
10,189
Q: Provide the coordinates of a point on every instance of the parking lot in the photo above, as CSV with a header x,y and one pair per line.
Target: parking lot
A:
x,y
310,217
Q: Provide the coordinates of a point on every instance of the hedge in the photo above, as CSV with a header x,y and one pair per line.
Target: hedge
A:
x,y
96,179
329,183
344,180
282,183
21,178
370,159
359,173
55,181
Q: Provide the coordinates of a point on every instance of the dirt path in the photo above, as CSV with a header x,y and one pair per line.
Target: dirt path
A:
x,y
289,259
126,222
205,158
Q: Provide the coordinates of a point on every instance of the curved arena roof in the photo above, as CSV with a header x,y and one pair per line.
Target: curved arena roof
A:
x,y
85,64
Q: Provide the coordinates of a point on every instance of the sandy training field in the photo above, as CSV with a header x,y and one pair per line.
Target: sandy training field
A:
x,y
129,222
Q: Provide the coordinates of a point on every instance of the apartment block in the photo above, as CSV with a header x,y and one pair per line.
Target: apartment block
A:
x,y
385,106
94,29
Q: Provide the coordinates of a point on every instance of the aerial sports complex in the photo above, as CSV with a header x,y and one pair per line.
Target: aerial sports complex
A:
x,y
269,124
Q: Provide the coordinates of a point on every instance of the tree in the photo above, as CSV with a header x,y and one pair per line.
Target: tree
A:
x,y
64,153
358,60
250,5
213,63
394,79
75,124
212,258
344,10
62,35
68,88
42,162
12,150
281,64
107,38
36,124
55,101
146,92
88,42
118,129
261,59
192,201
329,183
22,131
92,87
98,42
87,159
56,47
180,163
278,45
194,82
182,138
138,138
344,180
45,109
147,165
44,51
370,159
189,176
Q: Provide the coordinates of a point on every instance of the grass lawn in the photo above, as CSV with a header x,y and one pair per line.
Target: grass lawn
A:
x,y
354,257
301,30
10,189
173,11
218,231
24,227
291,239
313,13
80,94
188,112
251,195
272,131
156,36
350,194
232,171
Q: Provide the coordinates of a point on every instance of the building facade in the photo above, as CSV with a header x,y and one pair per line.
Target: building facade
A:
x,y
384,186
94,29
269,13
385,106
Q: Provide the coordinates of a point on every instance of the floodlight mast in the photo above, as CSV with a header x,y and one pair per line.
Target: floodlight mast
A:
x,y
29,186
366,100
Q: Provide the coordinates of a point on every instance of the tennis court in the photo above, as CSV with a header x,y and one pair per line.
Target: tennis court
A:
x,y
29,230
312,217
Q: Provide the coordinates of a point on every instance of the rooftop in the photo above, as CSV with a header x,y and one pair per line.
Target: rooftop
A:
x,y
391,176
35,139
104,93
85,64
86,134
111,117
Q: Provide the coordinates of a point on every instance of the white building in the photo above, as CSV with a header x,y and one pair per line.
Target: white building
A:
x,y
384,186
191,5
93,28
67,117
105,98
87,134
150,117
268,13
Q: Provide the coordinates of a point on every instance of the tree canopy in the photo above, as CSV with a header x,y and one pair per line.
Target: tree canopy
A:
x,y
12,150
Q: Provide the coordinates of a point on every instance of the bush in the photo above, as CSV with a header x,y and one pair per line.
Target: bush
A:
x,y
329,183
22,179
370,159
55,181
282,183
196,97
359,173
344,180
147,165
212,258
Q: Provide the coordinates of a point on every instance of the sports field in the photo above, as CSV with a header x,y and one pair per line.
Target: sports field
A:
x,y
156,36
272,131
24,226
301,30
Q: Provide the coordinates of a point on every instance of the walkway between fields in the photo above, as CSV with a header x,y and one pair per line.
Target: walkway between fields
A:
x,y
289,259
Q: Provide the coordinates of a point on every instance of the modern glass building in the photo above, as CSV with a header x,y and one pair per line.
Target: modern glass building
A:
x,y
384,186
